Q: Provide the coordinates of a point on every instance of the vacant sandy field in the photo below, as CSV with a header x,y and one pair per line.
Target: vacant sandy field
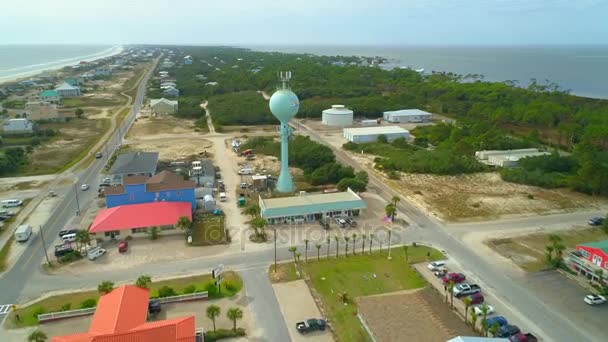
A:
x,y
416,315
174,149
166,124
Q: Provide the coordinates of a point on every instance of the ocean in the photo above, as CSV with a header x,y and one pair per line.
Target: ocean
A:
x,y
581,69
18,61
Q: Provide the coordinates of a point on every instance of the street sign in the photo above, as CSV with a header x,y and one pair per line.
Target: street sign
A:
x,y
218,281
217,272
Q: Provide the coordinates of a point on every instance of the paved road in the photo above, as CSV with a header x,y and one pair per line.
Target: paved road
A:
x,y
13,281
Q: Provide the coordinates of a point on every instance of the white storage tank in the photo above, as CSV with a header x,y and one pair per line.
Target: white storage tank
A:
x,y
337,115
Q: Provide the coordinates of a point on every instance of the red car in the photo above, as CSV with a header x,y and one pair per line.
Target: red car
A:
x,y
123,246
455,277
476,298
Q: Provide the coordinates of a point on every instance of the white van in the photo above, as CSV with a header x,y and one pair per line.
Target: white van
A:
x,y
246,171
222,197
95,253
23,233
69,237
12,203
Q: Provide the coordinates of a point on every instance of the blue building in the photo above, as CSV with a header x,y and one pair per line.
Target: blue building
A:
x,y
164,187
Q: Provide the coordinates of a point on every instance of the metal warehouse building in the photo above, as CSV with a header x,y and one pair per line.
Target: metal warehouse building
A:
x,y
337,115
507,158
371,134
407,115
310,207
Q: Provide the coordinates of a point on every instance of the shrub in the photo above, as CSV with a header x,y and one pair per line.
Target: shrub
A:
x,y
166,291
190,289
88,303
129,238
211,290
70,257
38,311
219,334
66,307
230,287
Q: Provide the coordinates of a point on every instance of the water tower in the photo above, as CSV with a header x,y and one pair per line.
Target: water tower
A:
x,y
284,105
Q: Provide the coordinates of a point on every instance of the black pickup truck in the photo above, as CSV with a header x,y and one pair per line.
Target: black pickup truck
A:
x,y
311,325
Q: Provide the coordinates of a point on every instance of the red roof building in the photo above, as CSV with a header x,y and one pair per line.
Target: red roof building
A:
x,y
121,317
140,216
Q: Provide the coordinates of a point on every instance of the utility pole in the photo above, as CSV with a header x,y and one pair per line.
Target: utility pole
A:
x,y
44,246
275,249
389,244
77,203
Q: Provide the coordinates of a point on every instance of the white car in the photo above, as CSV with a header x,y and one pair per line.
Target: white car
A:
x,y
478,311
594,299
435,265
84,187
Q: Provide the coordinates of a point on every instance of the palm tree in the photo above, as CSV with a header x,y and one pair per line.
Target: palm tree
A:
x,y
37,336
212,312
363,238
298,255
318,245
82,238
600,276
105,287
354,241
390,211
473,320
395,200
484,315
405,251
346,238
451,289
467,304
549,255
371,240
252,210
183,223
293,250
143,281
337,246
328,245
306,250
234,314
494,328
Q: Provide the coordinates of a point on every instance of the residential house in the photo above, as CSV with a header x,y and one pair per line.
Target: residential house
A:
x,y
163,106
67,90
171,92
50,96
188,60
41,110
133,164
87,76
17,126
122,315
165,186
73,81
103,71
211,83
167,84
589,258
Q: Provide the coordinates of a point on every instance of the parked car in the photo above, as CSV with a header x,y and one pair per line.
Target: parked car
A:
x,y
66,232
12,203
476,298
95,253
455,277
463,289
594,299
311,325
123,246
521,337
98,155
435,265
507,331
52,193
440,272
351,222
479,312
84,187
496,319
596,221
340,222
244,185
63,249
154,307
107,180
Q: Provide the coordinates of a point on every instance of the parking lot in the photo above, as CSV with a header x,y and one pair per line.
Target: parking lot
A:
x,y
563,293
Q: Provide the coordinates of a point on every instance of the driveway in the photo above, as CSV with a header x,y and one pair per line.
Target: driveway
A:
x,y
566,296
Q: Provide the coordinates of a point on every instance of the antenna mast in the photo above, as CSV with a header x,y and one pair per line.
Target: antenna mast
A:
x,y
285,76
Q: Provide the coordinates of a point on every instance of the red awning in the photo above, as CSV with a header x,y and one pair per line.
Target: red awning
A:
x,y
140,216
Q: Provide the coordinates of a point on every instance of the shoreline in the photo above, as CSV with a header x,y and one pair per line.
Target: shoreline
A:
x,y
112,51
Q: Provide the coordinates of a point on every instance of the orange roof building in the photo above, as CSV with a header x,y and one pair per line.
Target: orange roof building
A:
x,y
121,317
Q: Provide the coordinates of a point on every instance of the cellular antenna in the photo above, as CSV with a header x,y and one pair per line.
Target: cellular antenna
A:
x,y
285,77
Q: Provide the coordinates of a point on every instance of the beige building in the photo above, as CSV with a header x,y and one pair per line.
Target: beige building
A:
x,y
163,106
41,110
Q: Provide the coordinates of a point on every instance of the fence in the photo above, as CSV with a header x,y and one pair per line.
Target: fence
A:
x,y
53,316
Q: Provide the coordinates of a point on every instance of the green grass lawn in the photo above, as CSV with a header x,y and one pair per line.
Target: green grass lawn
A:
x,y
79,102
29,314
6,249
208,229
363,275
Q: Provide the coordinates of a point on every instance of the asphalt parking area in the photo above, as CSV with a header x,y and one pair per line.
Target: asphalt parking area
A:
x,y
564,294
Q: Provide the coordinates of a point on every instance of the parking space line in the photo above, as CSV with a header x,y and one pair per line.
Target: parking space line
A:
x,y
6,308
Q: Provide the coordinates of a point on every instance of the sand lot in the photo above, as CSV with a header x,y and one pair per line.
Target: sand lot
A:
x,y
166,124
171,148
416,315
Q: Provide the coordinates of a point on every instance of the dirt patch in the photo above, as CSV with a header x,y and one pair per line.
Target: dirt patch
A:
x,y
173,149
162,124
428,318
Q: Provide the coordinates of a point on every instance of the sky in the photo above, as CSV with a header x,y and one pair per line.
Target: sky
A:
x,y
305,22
